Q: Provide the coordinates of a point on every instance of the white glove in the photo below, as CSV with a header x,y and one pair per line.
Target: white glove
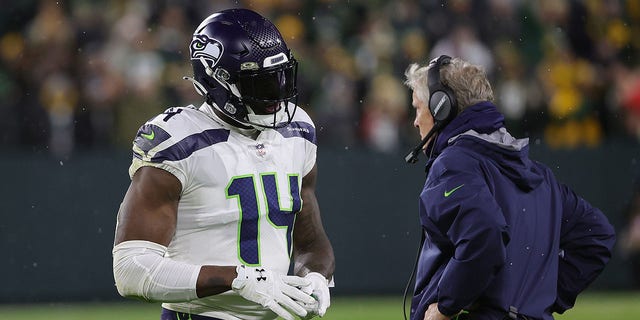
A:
x,y
276,292
319,289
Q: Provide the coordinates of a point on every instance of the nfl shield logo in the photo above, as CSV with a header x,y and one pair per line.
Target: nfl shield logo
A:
x,y
260,149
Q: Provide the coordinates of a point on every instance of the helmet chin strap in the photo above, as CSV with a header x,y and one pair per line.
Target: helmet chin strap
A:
x,y
199,87
234,93
207,68
213,74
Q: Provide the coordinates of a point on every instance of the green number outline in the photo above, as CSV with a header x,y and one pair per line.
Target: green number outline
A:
x,y
260,210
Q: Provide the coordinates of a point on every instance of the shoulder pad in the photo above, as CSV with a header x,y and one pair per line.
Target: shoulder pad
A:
x,y
176,134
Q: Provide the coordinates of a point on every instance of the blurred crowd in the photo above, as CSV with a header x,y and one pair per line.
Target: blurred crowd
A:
x,y
80,74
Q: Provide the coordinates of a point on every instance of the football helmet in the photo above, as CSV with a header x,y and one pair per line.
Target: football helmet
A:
x,y
243,68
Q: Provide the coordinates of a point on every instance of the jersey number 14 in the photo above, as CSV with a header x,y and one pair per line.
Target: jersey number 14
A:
x,y
244,189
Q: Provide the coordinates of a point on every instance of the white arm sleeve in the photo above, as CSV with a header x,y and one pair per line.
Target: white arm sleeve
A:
x,y
141,271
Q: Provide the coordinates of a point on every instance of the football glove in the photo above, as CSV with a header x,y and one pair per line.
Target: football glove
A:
x,y
318,289
277,292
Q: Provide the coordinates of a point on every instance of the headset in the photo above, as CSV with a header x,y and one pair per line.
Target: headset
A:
x,y
442,104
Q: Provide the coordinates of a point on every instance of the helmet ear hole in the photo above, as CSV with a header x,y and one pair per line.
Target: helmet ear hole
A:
x,y
221,75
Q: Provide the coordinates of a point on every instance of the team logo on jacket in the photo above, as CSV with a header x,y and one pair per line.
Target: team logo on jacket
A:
x,y
207,48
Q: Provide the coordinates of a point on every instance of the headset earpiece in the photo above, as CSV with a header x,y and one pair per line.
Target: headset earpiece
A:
x,y
442,101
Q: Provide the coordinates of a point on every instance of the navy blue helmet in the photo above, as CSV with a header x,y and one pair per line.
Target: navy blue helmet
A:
x,y
242,66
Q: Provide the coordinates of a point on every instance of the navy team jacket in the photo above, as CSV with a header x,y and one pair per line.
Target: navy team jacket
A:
x,y
501,232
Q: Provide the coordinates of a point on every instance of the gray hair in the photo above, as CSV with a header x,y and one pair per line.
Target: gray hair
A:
x,y
468,82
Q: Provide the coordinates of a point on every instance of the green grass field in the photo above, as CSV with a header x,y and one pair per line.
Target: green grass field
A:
x,y
590,306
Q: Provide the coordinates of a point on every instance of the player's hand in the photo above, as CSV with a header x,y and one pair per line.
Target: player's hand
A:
x,y
319,289
276,292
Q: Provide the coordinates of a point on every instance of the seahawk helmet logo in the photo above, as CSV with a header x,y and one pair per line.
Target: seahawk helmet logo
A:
x,y
207,48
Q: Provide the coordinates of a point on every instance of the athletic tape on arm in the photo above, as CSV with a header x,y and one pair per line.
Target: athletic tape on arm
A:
x,y
141,271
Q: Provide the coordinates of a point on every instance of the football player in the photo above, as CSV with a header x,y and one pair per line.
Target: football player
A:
x,y
222,197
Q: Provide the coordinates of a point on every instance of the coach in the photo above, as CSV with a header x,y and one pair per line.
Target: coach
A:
x,y
503,238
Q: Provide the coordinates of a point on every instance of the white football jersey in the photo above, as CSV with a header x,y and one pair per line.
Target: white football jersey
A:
x,y
239,195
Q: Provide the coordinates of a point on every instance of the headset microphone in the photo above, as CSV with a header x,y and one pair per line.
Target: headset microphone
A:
x,y
412,157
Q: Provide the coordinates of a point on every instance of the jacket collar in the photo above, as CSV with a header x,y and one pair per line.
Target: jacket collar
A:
x,y
483,117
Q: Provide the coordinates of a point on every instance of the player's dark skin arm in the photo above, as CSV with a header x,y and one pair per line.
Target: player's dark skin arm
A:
x,y
312,251
149,212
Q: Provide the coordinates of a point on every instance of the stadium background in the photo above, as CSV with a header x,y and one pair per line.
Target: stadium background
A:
x,y
78,77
